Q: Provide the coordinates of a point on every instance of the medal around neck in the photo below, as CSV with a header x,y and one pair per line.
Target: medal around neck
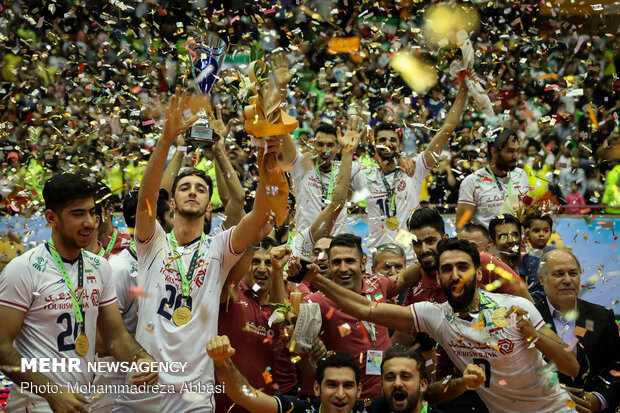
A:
x,y
499,317
181,316
391,224
206,57
81,344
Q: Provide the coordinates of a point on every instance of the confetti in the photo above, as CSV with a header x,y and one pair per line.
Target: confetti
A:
x,y
344,329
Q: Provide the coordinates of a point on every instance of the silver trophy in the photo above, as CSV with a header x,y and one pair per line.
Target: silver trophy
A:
x,y
206,64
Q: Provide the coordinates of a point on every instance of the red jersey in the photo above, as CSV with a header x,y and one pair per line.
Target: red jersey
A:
x,y
246,323
343,332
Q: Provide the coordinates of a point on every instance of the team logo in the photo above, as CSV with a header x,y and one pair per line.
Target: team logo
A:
x,y
401,186
505,346
94,297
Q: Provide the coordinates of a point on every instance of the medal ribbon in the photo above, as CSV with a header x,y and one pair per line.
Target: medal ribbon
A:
x,y
328,194
499,186
77,301
185,277
391,190
110,245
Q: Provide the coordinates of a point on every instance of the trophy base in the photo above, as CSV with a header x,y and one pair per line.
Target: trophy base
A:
x,y
199,135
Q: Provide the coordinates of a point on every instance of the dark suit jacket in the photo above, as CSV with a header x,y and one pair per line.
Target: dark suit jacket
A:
x,y
598,351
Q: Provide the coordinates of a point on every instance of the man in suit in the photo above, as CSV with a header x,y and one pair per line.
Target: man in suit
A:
x,y
593,336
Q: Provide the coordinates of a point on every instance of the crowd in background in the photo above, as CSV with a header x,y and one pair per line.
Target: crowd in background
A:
x,y
79,84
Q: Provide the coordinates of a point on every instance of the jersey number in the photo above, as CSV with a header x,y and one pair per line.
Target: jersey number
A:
x,y
484,363
70,330
384,206
172,301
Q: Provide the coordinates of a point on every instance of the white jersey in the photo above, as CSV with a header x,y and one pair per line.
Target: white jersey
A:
x,y
515,381
159,276
124,272
480,190
311,191
407,191
33,283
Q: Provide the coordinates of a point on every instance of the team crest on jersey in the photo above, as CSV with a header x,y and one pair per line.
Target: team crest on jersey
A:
x,y
506,346
40,265
94,297
401,186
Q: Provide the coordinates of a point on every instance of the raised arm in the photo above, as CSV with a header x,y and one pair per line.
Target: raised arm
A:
x,y
151,180
236,385
172,170
227,179
392,316
439,141
324,223
407,278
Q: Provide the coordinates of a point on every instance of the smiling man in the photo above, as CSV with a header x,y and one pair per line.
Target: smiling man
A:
x,y
477,327
54,298
505,231
337,385
394,195
598,348
342,332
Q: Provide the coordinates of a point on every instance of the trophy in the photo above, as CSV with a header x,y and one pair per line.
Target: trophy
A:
x,y
206,57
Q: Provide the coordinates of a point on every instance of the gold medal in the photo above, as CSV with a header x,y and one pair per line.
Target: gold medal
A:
x,y
391,224
81,344
499,317
181,316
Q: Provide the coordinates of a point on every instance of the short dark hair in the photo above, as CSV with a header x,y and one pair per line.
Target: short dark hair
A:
x,y
537,216
388,126
501,140
410,352
325,128
163,204
450,244
390,247
103,198
268,243
501,220
130,206
426,217
347,240
475,226
337,359
193,172
61,189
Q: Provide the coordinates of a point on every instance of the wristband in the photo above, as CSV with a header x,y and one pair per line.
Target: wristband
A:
x,y
181,148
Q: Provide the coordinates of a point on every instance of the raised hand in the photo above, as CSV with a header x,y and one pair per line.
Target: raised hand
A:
x,y
175,124
219,349
216,121
279,257
281,72
473,376
351,138
524,324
